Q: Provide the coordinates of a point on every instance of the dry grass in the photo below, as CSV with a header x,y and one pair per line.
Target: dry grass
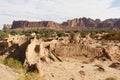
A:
x,y
13,63
18,67
1,60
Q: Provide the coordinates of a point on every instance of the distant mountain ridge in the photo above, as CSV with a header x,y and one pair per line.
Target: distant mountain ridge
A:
x,y
74,24
32,25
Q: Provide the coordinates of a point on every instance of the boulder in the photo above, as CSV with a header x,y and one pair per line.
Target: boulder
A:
x,y
39,52
7,26
113,52
115,65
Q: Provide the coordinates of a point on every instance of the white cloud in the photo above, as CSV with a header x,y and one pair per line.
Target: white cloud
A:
x,y
55,10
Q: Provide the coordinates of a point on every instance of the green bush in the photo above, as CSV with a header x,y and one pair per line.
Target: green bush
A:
x,y
13,63
13,33
27,34
84,33
113,35
61,33
3,34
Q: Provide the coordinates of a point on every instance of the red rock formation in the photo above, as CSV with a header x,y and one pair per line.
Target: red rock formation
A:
x,y
117,24
7,26
34,25
74,24
82,23
88,23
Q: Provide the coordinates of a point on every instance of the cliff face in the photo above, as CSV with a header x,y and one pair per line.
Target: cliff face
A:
x,y
88,23
32,25
7,26
74,24
117,24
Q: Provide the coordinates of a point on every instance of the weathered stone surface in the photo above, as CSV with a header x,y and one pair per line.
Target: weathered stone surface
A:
x,y
39,51
115,65
75,38
117,24
35,25
88,23
7,26
63,59
74,24
72,50
113,52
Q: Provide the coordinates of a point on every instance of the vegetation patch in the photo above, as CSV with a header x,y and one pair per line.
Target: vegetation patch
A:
x,y
3,34
112,34
18,67
13,63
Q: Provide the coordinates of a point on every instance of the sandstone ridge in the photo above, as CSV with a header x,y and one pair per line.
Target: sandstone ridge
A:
x,y
74,24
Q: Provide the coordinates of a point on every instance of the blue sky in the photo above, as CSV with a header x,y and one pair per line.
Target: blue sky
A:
x,y
115,3
57,10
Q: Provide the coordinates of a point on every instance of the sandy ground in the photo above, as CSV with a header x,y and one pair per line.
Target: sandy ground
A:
x,y
69,69
73,69
7,73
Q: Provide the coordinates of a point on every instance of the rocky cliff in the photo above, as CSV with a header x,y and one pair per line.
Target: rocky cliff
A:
x,y
88,23
7,26
117,24
74,24
34,25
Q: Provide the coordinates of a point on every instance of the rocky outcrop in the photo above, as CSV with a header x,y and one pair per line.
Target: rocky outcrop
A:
x,y
111,20
88,23
80,50
39,52
117,24
74,24
21,47
35,25
54,58
113,52
15,47
36,52
7,26
115,65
